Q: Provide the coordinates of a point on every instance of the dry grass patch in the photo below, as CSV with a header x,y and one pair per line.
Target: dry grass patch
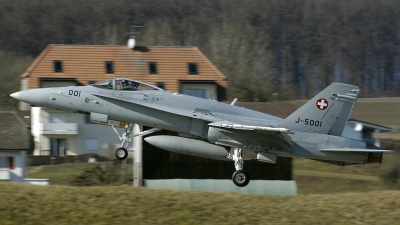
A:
x,y
310,185
26,204
375,170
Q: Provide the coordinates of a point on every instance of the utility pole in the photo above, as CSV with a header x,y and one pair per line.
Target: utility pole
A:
x,y
137,156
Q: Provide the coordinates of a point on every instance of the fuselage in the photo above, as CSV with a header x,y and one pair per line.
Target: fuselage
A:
x,y
191,115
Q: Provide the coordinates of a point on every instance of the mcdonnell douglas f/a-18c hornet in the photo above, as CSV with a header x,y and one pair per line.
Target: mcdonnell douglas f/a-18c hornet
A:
x,y
216,130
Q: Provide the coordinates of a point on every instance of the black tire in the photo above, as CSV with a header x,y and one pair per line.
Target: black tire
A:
x,y
121,153
240,178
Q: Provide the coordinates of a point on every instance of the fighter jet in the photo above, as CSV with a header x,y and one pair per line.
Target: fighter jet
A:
x,y
216,130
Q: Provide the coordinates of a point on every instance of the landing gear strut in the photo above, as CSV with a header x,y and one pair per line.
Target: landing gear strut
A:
x,y
122,152
240,177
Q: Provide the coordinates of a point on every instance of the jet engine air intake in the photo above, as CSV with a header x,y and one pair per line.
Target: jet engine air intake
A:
x,y
98,118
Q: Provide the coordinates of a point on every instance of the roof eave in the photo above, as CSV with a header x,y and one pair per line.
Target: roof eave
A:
x,y
37,60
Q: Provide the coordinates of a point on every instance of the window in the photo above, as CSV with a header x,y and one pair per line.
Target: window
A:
x,y
58,66
160,85
192,68
3,162
91,144
109,67
7,162
87,119
58,146
201,93
153,67
92,82
125,85
108,84
11,163
131,85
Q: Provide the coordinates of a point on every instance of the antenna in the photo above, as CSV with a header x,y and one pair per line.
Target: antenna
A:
x,y
131,41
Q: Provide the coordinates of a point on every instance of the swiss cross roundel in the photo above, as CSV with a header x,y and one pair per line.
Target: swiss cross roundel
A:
x,y
322,104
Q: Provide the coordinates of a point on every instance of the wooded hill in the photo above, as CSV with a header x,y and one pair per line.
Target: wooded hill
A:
x,y
292,48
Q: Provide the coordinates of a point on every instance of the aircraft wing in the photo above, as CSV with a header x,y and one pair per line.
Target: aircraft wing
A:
x,y
353,150
276,132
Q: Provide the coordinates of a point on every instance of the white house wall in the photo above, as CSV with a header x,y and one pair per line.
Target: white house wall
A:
x,y
75,143
47,84
35,129
18,173
24,86
104,134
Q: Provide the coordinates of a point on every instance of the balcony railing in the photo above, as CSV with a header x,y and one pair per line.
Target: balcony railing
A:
x,y
59,128
4,174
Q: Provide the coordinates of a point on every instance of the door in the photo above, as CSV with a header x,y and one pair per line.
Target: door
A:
x,y
58,146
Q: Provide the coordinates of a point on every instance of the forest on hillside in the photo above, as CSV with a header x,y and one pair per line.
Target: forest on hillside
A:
x,y
293,48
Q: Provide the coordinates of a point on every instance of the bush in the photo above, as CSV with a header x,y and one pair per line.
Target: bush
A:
x,y
392,177
104,174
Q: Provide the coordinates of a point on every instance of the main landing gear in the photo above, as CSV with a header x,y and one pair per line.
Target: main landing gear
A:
x,y
240,177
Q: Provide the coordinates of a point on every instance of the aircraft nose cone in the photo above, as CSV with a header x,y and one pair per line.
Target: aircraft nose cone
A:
x,y
35,97
15,95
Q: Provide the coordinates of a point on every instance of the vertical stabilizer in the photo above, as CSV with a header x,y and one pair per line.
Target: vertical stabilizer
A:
x,y
326,113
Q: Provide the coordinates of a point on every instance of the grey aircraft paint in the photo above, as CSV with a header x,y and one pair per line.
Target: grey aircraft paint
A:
x,y
217,130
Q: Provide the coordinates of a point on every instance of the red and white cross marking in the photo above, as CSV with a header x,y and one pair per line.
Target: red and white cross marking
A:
x,y
322,104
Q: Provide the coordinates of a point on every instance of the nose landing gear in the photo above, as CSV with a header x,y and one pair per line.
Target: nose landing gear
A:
x,y
122,152
127,137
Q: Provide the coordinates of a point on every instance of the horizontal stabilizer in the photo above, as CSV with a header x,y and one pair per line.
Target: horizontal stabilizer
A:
x,y
353,150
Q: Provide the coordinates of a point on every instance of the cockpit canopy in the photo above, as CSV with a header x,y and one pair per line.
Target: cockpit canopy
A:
x,y
125,84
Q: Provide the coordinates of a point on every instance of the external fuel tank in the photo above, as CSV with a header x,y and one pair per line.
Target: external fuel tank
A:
x,y
188,146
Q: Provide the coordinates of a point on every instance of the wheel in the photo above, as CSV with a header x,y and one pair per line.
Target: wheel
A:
x,y
121,153
240,178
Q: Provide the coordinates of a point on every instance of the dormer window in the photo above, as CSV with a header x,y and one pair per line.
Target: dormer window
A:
x,y
58,66
109,67
192,68
153,67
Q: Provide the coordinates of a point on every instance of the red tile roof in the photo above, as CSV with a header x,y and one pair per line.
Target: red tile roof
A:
x,y
87,63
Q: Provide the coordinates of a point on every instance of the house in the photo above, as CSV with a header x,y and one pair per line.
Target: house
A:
x,y
177,69
14,144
